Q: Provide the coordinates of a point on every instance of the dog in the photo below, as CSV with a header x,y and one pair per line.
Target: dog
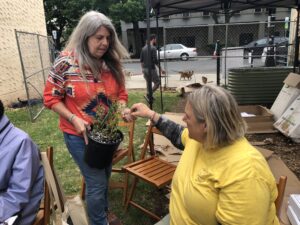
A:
x,y
24,103
127,74
186,74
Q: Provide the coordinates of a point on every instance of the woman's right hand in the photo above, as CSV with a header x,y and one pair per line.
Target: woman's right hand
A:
x,y
81,126
141,110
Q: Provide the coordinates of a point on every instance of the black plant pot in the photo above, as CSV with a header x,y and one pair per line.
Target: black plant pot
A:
x,y
99,155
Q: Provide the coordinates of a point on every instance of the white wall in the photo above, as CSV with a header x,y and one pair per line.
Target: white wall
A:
x,y
27,16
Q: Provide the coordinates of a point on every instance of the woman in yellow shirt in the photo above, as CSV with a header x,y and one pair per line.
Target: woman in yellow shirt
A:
x,y
221,178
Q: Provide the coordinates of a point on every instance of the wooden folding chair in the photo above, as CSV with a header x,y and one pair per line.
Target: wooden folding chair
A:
x,y
67,208
43,215
152,170
124,154
281,188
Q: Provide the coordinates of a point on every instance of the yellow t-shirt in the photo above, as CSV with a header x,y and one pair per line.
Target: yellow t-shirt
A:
x,y
231,185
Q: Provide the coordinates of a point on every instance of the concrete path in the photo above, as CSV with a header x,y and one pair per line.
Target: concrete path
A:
x,y
137,81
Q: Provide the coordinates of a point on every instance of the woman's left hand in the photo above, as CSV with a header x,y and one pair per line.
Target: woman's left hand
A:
x,y
126,115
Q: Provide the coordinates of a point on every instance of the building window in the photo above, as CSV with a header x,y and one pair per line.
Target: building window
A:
x,y
185,14
258,10
271,11
205,13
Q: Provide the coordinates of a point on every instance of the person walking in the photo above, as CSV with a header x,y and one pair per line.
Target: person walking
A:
x,y
88,73
153,76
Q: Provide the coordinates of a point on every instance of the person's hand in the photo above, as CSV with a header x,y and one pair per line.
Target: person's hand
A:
x,y
126,115
163,71
141,110
81,126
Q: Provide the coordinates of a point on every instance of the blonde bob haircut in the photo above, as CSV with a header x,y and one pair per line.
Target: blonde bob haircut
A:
x,y
78,41
218,109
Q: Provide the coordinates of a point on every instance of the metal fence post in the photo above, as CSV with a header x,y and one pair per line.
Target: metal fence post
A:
x,y
32,51
218,53
165,63
41,59
23,73
149,96
225,59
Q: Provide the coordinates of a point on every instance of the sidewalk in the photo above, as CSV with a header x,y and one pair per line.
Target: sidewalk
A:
x,y
137,81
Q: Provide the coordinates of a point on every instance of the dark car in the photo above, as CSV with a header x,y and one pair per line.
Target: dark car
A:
x,y
258,46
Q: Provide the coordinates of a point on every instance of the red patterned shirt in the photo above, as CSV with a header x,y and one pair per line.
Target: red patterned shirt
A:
x,y
65,84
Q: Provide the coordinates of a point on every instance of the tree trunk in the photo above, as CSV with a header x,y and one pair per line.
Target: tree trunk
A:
x,y
228,17
215,18
137,39
57,41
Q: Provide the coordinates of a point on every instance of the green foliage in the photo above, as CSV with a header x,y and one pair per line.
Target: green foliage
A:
x,y
62,16
128,11
106,122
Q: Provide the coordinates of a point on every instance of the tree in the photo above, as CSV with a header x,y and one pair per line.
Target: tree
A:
x,y
130,11
62,16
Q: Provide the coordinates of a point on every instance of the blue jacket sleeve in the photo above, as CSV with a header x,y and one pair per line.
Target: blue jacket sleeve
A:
x,y
22,175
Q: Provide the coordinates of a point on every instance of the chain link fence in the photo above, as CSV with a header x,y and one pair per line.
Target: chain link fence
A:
x,y
36,53
236,41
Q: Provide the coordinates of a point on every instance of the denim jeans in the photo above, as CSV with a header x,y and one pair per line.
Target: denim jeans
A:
x,y
96,181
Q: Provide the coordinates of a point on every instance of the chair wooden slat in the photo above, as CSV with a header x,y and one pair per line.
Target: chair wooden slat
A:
x,y
152,170
60,203
280,188
150,165
43,215
162,172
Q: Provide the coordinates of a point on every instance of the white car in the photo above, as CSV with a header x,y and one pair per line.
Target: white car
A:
x,y
177,51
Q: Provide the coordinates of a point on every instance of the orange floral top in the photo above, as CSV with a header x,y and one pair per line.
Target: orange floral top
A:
x,y
65,84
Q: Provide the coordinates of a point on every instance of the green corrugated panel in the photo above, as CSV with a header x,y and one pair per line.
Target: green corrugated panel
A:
x,y
257,85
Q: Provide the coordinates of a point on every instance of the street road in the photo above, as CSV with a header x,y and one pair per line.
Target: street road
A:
x,y
201,66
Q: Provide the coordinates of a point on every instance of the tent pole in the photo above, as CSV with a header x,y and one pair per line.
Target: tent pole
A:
x,y
159,67
296,55
149,58
218,52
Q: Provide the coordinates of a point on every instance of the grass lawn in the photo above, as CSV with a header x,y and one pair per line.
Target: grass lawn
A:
x,y
45,133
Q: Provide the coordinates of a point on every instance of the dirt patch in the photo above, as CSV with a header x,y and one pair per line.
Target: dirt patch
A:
x,y
282,146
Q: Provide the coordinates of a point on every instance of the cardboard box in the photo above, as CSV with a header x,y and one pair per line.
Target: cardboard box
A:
x,y
292,216
294,202
288,93
289,122
258,118
260,113
279,168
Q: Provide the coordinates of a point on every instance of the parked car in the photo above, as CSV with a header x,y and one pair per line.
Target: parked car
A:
x,y
177,51
258,45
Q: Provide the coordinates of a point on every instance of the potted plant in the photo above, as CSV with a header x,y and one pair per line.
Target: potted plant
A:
x,y
104,137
